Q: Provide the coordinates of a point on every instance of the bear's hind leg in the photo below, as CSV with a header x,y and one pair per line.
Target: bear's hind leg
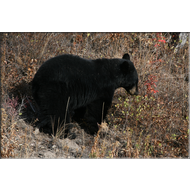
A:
x,y
53,107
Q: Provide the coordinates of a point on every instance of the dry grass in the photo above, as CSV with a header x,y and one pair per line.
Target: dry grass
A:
x,y
153,124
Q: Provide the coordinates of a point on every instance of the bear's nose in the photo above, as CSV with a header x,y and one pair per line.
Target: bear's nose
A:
x,y
133,91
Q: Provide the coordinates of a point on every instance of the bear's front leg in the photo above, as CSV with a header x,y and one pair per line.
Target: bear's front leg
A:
x,y
96,113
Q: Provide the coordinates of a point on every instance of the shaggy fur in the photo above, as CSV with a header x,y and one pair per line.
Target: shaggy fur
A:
x,y
85,85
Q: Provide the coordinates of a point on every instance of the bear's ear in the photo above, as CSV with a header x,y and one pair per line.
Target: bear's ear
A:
x,y
125,67
126,56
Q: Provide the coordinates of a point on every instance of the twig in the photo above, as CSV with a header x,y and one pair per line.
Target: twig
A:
x,y
66,111
31,105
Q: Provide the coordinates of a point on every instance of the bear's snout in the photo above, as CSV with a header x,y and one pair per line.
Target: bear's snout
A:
x,y
133,91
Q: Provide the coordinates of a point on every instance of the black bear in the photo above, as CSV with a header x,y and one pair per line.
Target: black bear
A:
x,y
68,86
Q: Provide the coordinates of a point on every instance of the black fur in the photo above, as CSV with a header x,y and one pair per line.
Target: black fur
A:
x,y
85,85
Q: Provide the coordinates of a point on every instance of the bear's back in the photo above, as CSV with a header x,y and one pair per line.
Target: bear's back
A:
x,y
65,65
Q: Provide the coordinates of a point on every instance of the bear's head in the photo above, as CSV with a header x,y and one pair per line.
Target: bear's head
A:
x,y
130,76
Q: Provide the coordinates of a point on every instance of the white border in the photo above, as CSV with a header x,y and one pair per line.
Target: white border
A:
x,y
95,16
